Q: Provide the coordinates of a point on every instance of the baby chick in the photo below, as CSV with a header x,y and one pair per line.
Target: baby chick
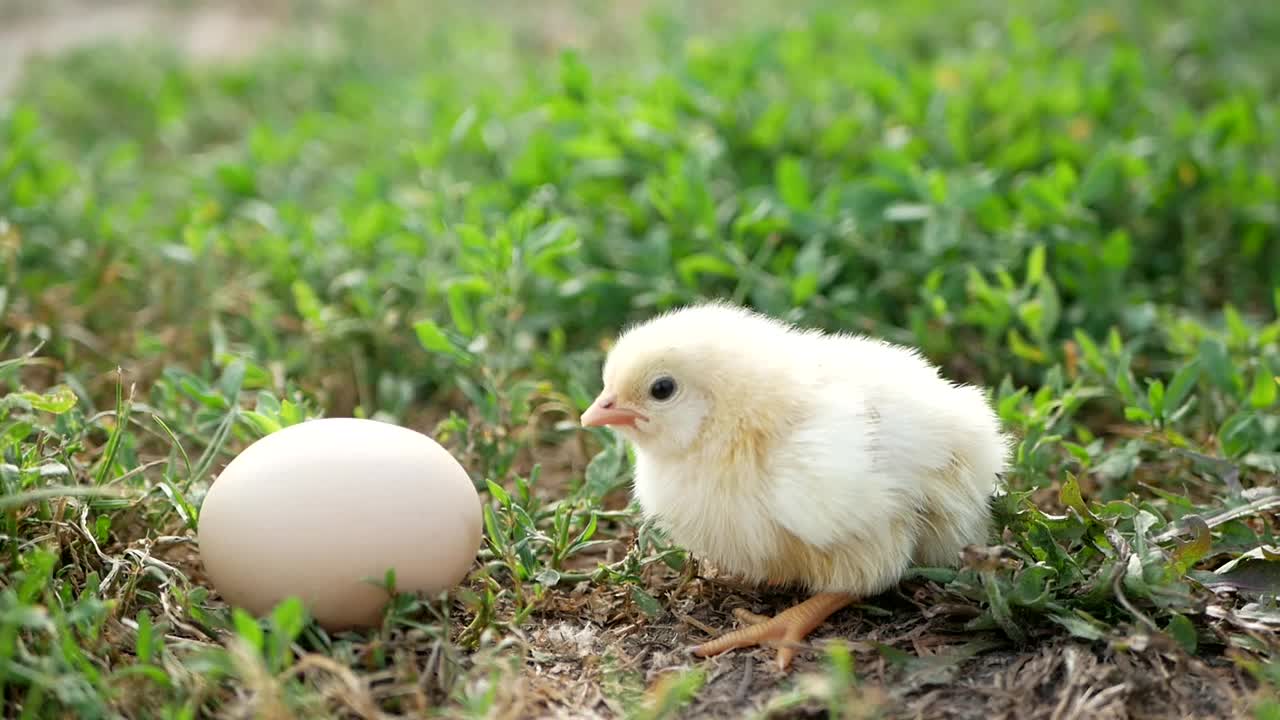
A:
x,y
791,456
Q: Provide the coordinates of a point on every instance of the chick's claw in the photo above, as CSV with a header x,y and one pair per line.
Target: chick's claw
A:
x,y
785,630
746,617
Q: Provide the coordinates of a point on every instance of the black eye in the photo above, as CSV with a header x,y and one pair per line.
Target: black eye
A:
x,y
662,388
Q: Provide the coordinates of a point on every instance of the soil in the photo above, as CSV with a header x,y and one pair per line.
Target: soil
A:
x,y
941,671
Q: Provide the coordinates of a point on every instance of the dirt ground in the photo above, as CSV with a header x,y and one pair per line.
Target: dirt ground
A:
x,y
943,671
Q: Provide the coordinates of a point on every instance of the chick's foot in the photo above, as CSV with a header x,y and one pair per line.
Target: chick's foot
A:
x,y
784,629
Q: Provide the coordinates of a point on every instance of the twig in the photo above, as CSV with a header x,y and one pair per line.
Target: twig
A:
x,y
744,686
1129,606
696,623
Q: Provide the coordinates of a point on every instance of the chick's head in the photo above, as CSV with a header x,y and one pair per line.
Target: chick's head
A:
x,y
653,397
682,379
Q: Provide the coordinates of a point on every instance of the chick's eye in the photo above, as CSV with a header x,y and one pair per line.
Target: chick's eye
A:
x,y
662,388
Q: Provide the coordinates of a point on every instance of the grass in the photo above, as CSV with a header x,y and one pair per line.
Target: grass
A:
x,y
440,220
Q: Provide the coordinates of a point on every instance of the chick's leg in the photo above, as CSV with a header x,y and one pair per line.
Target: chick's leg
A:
x,y
786,628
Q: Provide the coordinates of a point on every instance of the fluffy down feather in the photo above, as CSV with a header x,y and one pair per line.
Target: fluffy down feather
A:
x,y
787,455
792,456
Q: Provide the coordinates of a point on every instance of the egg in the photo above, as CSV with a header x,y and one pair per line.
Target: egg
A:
x,y
323,509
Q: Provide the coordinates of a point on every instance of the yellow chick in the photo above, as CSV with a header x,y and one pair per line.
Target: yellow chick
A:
x,y
791,456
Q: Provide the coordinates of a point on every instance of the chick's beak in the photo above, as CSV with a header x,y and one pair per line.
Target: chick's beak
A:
x,y
605,411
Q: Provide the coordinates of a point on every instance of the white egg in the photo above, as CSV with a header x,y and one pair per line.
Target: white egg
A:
x,y
321,511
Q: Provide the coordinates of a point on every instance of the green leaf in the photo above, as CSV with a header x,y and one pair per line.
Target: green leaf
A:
x,y
1238,331
1102,178
102,528
939,575
493,530
56,401
460,310
552,241
1191,552
433,339
289,618
1264,461
15,433
1143,522
1070,496
793,182
247,627
1267,709
1119,462
499,493
1089,351
587,532
1265,386
690,268
1235,433
1032,586
1115,250
473,240
643,600
144,645
309,306
1213,355
1155,397
1124,385
803,288
203,395
1050,310
1080,627
239,179
263,424
1136,414
1181,384
1183,631
107,461
1023,349
1256,572
1036,265
604,472
1118,508
998,606
232,379
265,403
771,125
575,76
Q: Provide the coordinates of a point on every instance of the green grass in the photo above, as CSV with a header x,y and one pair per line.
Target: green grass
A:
x,y
442,219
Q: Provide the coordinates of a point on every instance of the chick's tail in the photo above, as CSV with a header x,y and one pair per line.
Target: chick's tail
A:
x,y
786,629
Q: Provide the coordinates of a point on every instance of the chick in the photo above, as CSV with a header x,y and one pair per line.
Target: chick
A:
x,y
789,456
